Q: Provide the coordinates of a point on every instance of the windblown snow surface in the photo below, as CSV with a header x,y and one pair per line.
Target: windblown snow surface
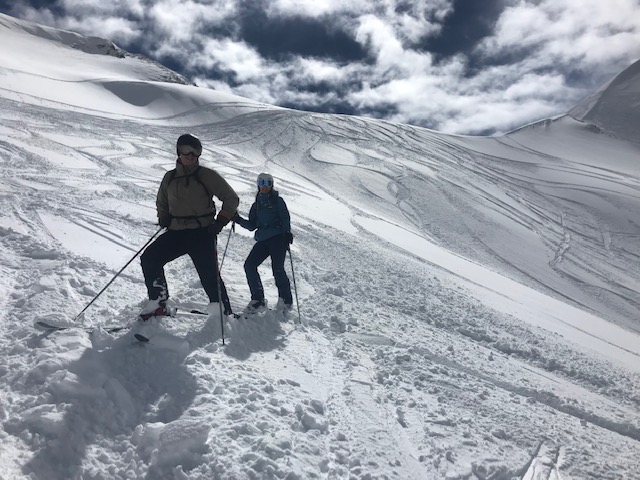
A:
x,y
468,306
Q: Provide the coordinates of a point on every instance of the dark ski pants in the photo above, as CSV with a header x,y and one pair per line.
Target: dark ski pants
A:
x,y
200,246
276,248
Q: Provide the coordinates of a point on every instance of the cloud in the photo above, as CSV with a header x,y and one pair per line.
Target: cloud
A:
x,y
281,37
451,65
314,8
389,52
117,21
240,58
179,21
462,26
557,31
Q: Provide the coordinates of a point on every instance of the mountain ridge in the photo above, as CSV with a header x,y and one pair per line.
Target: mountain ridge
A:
x,y
615,107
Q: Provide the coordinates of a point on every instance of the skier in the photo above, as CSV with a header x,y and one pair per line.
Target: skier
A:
x,y
186,209
269,216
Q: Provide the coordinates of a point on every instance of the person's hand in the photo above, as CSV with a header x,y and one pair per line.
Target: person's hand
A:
x,y
237,217
164,221
216,227
289,237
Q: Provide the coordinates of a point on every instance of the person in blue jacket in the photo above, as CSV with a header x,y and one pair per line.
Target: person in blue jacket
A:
x,y
269,216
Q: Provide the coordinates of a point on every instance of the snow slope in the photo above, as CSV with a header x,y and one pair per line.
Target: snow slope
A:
x,y
469,305
615,107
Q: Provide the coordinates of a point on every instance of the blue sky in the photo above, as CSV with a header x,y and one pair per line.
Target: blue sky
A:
x,y
457,66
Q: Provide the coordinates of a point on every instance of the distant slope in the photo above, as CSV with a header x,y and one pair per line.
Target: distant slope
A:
x,y
60,69
14,29
615,107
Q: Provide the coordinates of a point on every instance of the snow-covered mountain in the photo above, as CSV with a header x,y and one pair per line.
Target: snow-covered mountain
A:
x,y
469,305
615,107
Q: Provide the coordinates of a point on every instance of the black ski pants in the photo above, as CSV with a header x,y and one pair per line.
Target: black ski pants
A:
x,y
200,245
276,248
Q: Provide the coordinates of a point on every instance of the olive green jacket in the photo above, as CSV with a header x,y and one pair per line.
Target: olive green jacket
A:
x,y
186,196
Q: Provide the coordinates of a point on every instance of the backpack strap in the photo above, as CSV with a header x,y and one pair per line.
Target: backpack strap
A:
x,y
199,180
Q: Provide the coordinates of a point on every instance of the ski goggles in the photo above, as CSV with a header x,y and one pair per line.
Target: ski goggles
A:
x,y
264,183
186,150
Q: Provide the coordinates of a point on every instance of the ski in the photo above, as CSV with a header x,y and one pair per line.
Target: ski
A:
x,y
200,312
173,312
110,329
192,311
260,313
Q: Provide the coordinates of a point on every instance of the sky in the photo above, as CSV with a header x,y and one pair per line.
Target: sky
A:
x,y
466,307
451,65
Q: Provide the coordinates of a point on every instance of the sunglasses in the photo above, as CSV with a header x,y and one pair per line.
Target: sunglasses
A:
x,y
186,150
264,183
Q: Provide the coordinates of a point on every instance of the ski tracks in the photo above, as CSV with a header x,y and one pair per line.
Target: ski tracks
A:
x,y
368,438
545,463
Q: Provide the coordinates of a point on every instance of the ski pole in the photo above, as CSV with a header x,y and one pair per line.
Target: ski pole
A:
x,y
295,288
218,280
117,274
224,254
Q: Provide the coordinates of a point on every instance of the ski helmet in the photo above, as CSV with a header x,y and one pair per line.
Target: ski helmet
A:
x,y
265,179
191,141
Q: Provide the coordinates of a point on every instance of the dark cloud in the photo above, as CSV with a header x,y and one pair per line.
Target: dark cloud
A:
x,y
404,6
321,96
322,87
280,37
16,8
478,61
381,111
462,30
578,76
339,108
216,72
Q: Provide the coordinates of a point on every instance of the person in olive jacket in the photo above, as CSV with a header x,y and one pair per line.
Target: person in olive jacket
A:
x,y
186,208
269,217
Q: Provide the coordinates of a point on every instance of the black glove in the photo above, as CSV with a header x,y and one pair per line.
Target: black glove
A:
x,y
164,221
288,237
237,217
216,227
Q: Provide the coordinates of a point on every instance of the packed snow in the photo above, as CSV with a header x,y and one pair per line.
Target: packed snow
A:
x,y
468,306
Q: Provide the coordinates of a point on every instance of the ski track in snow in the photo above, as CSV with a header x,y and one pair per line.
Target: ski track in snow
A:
x,y
395,373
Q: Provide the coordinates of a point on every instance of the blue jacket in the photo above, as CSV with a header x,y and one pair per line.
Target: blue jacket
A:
x,y
269,215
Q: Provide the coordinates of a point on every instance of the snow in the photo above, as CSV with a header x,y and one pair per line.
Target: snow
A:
x,y
468,305
513,298
602,107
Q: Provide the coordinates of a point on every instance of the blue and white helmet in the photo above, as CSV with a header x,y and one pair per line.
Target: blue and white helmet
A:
x,y
265,179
